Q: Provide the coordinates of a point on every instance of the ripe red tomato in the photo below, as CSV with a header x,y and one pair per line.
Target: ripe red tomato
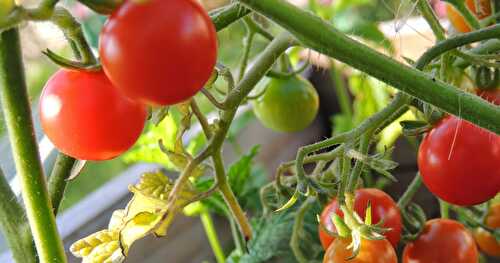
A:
x,y
442,240
87,118
383,208
459,162
492,96
372,251
484,239
159,52
458,21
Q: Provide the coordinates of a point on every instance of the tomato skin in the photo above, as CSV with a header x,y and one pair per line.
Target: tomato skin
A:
x,y
288,105
486,241
458,21
383,208
492,96
87,118
442,241
159,52
372,251
459,162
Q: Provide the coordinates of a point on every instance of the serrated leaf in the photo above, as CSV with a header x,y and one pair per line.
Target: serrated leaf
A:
x,y
153,184
136,228
100,247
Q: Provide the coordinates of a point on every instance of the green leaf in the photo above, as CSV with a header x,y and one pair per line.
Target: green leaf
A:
x,y
272,237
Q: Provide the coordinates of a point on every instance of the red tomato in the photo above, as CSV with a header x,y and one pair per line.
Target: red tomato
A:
x,y
458,21
87,118
459,162
484,239
159,52
383,208
442,241
492,96
372,251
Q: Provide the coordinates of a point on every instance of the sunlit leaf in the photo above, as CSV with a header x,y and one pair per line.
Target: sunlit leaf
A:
x,y
136,228
100,247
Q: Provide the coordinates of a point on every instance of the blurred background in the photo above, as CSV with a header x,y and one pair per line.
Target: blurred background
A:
x,y
391,26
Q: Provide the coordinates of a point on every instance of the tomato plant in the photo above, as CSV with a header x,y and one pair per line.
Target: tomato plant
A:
x,y
441,241
159,52
458,21
484,239
87,118
459,161
278,108
383,209
373,251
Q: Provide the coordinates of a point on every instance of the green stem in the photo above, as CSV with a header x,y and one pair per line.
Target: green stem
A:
x,y
298,226
74,33
226,15
58,179
228,195
208,225
444,209
344,179
358,167
14,225
247,47
490,46
410,192
17,112
323,37
342,92
428,13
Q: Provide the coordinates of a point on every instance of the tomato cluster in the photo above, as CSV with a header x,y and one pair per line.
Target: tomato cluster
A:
x,y
484,239
153,53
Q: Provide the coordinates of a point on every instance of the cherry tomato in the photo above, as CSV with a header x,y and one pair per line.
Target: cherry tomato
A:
x,y
484,239
87,118
288,105
459,162
458,21
492,96
159,52
383,208
442,241
372,251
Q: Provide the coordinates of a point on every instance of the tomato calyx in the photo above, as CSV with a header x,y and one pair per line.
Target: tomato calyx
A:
x,y
70,64
487,78
353,228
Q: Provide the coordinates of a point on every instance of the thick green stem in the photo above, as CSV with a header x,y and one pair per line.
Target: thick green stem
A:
x,y
59,179
323,37
410,191
226,15
17,112
229,198
490,46
208,225
15,226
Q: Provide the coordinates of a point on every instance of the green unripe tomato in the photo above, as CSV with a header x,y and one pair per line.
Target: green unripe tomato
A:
x,y
288,105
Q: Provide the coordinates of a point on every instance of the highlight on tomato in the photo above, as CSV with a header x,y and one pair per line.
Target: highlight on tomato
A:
x,y
484,239
383,209
373,251
287,105
442,240
459,161
458,21
87,118
159,52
